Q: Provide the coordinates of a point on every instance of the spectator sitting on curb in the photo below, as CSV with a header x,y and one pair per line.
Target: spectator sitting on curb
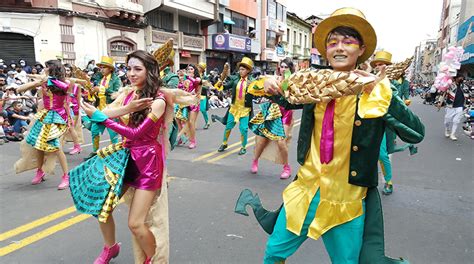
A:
x,y
18,118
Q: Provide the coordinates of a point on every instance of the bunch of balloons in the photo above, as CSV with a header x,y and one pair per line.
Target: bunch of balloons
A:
x,y
448,68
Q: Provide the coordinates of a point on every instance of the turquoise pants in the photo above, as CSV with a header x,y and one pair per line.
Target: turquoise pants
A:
x,y
97,130
243,126
343,242
203,109
385,160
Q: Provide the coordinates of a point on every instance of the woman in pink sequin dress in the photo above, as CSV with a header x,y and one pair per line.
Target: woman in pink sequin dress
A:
x,y
142,133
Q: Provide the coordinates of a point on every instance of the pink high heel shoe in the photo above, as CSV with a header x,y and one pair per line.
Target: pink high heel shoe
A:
x,y
64,182
107,254
285,174
193,144
76,149
39,177
254,168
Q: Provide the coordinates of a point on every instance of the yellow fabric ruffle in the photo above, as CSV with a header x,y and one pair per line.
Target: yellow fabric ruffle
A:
x,y
239,111
101,95
376,103
340,201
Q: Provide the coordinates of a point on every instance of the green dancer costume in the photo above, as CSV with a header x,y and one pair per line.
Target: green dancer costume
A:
x,y
241,107
388,145
108,85
334,195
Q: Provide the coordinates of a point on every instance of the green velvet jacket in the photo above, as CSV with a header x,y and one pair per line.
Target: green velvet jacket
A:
x,y
402,88
391,136
366,137
114,86
170,79
231,84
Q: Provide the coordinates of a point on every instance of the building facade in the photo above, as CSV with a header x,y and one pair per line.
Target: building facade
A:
x,y
316,58
298,40
449,23
182,20
233,36
273,17
465,37
75,31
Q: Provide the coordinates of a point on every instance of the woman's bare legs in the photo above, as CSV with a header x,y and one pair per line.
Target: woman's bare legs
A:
x,y
192,125
62,160
141,203
262,142
108,228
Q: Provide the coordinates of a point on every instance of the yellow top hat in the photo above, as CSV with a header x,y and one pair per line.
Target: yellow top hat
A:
x,y
107,62
346,17
382,56
246,62
202,65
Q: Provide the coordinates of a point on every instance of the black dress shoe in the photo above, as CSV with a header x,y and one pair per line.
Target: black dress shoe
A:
x,y
222,148
242,151
92,154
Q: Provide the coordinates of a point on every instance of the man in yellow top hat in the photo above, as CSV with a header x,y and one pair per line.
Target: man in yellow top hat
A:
x,y
108,85
335,193
381,59
241,106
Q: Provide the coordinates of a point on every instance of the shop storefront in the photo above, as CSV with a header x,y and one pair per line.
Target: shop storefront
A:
x,y
188,49
228,48
119,47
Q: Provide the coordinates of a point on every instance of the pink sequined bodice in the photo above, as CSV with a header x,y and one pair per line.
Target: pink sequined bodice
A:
x,y
190,84
55,102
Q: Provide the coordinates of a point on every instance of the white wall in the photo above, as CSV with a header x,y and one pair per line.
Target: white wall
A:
x,y
91,39
44,28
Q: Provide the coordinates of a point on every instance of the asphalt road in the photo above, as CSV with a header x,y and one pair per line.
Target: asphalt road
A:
x,y
428,219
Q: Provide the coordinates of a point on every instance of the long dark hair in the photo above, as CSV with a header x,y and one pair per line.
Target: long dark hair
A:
x,y
196,71
289,63
152,84
56,70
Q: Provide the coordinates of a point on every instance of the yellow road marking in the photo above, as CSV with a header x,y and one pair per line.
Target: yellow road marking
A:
x,y
237,149
228,153
210,154
42,234
36,223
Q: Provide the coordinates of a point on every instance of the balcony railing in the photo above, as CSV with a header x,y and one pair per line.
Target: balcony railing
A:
x,y
296,50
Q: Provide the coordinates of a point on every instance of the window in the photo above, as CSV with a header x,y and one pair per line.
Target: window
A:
x,y
66,30
288,35
294,37
305,41
68,46
301,38
160,19
240,26
279,12
284,14
271,39
188,25
272,9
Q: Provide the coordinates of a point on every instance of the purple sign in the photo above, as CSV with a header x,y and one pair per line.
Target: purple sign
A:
x,y
231,42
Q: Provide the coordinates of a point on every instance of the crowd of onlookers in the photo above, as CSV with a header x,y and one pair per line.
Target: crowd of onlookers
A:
x,y
16,109
432,96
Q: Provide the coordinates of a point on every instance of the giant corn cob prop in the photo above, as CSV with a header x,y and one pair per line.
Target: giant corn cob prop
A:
x,y
396,70
224,74
165,54
314,86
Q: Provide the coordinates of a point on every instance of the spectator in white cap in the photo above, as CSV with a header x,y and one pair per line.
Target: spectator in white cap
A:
x,y
11,77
